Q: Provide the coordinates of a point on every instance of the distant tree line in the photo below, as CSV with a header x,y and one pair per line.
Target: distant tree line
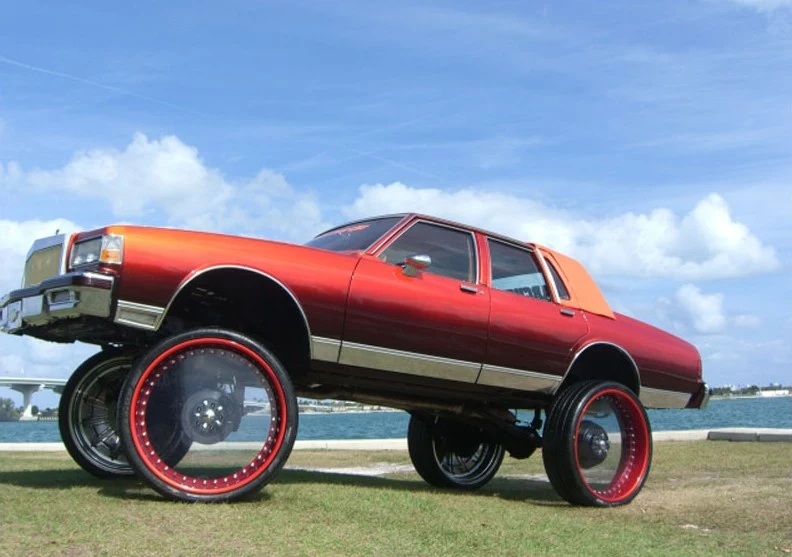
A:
x,y
9,412
750,390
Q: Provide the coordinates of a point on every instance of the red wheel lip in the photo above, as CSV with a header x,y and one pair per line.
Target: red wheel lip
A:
x,y
247,477
642,444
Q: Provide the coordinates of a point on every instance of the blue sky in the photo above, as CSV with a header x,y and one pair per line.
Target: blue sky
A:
x,y
650,140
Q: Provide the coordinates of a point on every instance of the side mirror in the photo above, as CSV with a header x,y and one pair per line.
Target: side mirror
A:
x,y
414,263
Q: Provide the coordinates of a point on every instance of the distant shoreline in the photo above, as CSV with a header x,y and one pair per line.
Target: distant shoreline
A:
x,y
720,397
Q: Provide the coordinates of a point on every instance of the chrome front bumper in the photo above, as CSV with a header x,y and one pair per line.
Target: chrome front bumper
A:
x,y
62,297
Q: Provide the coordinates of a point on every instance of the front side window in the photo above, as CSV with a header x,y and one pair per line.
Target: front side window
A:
x,y
453,252
515,270
358,236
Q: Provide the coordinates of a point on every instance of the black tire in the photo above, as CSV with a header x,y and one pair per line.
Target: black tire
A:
x,y
452,455
204,370
87,414
597,444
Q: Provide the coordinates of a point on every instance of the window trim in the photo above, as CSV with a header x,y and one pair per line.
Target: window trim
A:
x,y
399,233
547,274
386,238
538,258
550,268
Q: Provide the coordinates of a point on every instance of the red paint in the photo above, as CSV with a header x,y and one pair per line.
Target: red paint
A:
x,y
532,334
158,261
426,314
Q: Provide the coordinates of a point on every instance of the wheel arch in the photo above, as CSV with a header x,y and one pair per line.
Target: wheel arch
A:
x,y
602,360
248,300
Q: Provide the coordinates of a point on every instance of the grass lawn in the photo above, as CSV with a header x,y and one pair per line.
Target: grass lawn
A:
x,y
702,498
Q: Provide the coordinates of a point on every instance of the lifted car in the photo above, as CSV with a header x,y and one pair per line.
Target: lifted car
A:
x,y
208,339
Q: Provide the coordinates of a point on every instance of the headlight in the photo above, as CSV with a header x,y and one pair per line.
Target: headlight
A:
x,y
105,249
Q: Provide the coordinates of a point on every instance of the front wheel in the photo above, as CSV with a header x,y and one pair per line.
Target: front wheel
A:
x,y
87,414
450,454
205,379
597,444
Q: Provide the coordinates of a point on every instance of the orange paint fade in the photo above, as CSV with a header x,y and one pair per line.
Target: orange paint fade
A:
x,y
583,291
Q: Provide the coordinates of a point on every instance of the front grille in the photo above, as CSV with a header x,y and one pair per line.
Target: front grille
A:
x,y
43,264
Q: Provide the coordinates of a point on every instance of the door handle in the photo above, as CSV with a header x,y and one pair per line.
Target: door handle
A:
x,y
468,288
567,312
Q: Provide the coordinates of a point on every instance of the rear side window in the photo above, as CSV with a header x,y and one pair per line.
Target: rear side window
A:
x,y
563,293
515,270
453,252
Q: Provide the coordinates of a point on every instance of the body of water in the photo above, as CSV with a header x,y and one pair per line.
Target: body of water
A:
x,y
744,412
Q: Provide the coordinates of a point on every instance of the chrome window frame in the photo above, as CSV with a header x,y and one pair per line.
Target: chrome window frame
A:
x,y
398,234
548,264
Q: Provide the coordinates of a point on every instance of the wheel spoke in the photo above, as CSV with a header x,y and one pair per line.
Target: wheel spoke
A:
x,y
116,450
94,421
106,434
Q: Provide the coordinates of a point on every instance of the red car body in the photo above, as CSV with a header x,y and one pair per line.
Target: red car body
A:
x,y
456,325
365,318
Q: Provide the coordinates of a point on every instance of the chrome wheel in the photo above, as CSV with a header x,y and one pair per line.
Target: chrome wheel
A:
x,y
87,414
449,454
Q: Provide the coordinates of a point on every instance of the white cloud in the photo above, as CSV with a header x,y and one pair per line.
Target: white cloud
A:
x,y
691,309
158,173
169,176
705,243
705,311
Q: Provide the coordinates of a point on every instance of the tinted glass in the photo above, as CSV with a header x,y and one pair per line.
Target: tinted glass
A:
x,y
452,251
515,270
354,237
563,293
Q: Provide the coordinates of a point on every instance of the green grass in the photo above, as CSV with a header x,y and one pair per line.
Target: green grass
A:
x,y
702,498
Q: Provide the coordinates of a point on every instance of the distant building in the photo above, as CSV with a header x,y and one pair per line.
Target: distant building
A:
x,y
774,392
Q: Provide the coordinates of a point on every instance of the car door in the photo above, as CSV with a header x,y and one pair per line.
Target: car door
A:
x,y
433,323
530,336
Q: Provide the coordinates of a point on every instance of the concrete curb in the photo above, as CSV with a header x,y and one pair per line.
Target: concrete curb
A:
x,y
766,435
723,434
31,447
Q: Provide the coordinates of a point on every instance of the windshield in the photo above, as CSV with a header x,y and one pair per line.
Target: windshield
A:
x,y
354,237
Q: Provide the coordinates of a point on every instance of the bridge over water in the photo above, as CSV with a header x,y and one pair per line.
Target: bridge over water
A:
x,y
29,385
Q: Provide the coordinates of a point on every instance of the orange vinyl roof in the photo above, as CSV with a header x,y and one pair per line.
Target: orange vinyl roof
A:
x,y
583,291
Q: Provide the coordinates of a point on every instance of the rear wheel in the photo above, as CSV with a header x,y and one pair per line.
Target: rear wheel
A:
x,y
87,414
203,378
597,444
450,454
